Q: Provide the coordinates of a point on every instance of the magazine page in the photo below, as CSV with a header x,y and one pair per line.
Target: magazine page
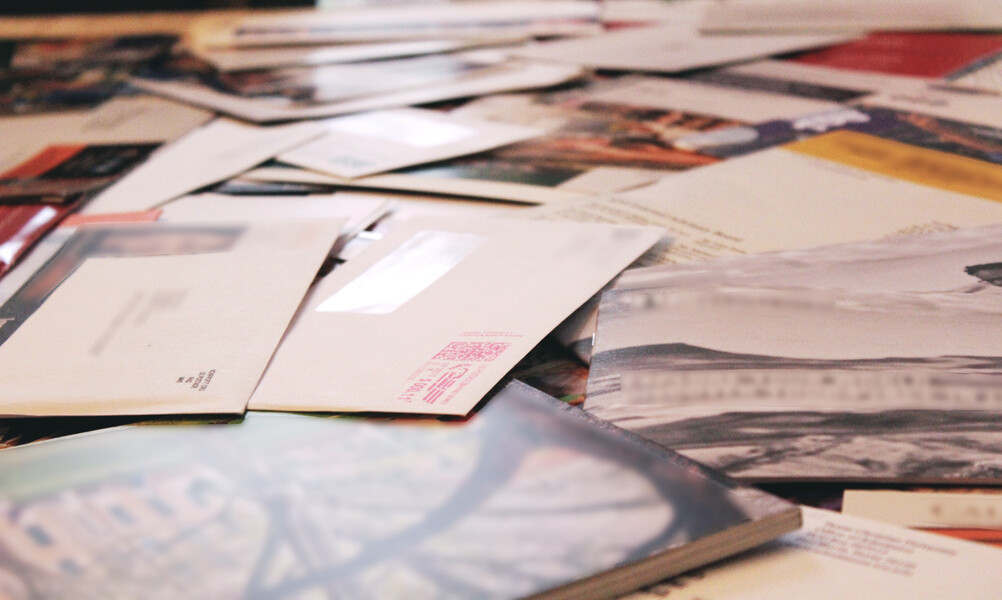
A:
x,y
797,383
838,556
959,261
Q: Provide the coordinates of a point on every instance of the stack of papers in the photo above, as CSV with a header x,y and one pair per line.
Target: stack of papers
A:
x,y
751,246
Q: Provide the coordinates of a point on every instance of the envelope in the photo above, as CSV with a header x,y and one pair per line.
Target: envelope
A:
x,y
156,318
384,140
215,152
430,318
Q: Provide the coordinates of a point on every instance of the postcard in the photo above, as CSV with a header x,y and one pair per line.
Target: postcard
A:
x,y
220,149
669,49
349,88
396,508
775,384
838,556
396,23
377,141
448,305
180,318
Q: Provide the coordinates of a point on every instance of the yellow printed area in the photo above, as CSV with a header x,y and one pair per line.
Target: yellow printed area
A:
x,y
903,161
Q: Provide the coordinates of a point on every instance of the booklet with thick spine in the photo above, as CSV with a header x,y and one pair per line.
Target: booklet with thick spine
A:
x,y
156,318
531,497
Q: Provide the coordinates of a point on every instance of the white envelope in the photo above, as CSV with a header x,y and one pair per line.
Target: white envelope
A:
x,y
358,209
430,318
502,76
219,150
122,120
384,140
669,49
399,22
247,59
156,318
619,179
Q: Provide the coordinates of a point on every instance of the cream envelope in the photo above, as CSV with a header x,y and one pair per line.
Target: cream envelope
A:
x,y
384,140
219,150
430,318
156,318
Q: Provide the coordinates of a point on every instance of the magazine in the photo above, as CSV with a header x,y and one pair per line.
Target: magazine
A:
x,y
286,505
